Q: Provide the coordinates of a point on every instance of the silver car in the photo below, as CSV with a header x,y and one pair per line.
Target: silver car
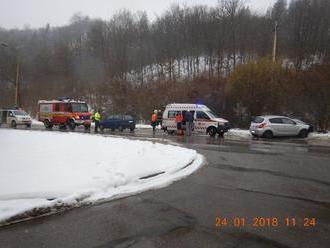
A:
x,y
269,126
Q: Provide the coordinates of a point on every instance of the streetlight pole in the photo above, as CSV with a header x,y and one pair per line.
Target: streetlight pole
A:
x,y
16,79
275,42
17,103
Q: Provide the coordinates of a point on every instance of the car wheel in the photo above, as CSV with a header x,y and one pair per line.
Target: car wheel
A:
x,y
212,131
13,124
71,125
28,125
303,133
268,134
132,129
48,124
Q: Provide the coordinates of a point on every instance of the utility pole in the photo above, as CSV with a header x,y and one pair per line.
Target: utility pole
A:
x,y
275,42
17,86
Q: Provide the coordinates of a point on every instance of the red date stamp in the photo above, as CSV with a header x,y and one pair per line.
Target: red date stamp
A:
x,y
264,222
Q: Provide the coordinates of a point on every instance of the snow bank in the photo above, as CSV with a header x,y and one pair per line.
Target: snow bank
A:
x,y
143,126
319,139
52,169
37,123
237,133
319,136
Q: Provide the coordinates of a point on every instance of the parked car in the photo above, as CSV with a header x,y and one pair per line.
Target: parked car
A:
x,y
205,121
270,125
14,117
311,127
119,122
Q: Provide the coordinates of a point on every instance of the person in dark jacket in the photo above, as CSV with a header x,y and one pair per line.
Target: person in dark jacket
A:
x,y
189,122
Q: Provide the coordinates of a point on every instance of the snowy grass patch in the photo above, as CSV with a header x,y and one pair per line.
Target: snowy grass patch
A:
x,y
52,170
236,133
319,136
319,139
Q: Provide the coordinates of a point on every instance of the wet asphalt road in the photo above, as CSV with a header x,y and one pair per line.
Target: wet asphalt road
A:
x,y
257,183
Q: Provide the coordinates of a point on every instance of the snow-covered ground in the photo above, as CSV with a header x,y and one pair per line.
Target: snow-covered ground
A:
x,y
319,139
52,170
37,123
146,126
319,136
313,138
236,133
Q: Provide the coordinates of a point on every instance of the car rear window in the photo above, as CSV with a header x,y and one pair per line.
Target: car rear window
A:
x,y
258,119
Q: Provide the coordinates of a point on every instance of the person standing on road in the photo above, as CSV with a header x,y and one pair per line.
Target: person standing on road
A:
x,y
189,122
154,121
97,118
159,118
178,120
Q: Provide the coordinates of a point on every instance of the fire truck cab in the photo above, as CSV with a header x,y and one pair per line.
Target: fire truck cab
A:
x,y
64,113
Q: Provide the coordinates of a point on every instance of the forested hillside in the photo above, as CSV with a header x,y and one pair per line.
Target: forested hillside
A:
x,y
220,56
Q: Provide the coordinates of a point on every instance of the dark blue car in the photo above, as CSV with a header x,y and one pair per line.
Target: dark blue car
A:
x,y
119,122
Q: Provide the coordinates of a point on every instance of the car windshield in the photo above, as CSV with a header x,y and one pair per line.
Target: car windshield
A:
x,y
79,107
20,112
212,114
300,122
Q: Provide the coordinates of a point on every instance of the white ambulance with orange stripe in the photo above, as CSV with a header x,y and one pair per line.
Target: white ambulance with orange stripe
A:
x,y
205,121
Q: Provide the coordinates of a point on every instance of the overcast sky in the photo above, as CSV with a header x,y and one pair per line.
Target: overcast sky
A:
x,y
37,13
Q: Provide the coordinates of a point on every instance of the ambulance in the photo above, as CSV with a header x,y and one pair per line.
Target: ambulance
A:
x,y
205,121
64,112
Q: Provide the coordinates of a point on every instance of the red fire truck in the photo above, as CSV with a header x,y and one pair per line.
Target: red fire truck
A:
x,y
64,113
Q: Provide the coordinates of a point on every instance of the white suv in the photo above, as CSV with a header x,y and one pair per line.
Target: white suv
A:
x,y
270,125
14,117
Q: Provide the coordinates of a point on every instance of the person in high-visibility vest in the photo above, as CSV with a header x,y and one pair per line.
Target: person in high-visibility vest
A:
x,y
97,118
154,121
178,120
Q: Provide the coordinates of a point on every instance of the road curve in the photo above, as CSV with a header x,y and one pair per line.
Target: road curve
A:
x,y
248,180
